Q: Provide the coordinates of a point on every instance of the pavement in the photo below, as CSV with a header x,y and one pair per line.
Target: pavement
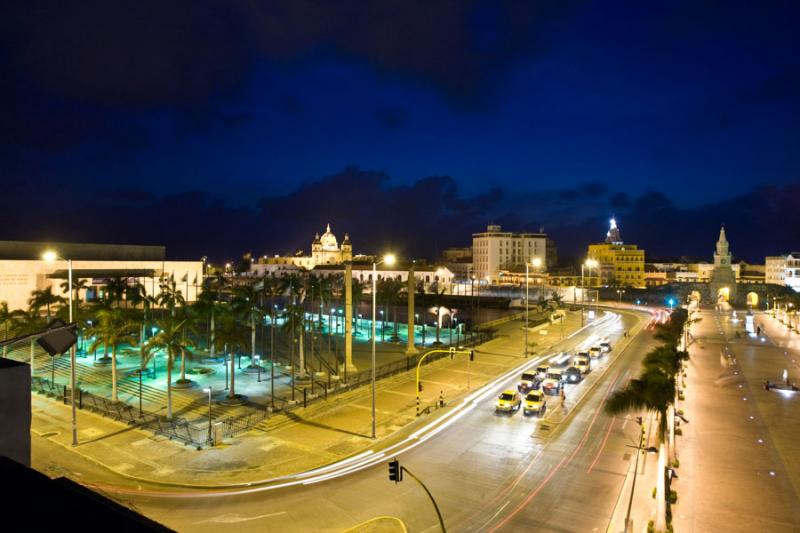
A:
x,y
739,453
284,444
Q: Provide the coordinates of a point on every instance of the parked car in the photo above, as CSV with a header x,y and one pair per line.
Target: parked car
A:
x,y
535,403
582,364
529,381
508,401
573,375
553,381
541,370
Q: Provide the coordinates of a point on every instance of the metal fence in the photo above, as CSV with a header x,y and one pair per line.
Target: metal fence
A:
x,y
177,428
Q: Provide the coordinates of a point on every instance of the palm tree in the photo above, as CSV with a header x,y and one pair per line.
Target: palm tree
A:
x,y
170,297
114,329
44,298
230,337
171,340
389,290
245,304
205,307
28,322
115,289
77,286
556,298
654,392
6,318
437,296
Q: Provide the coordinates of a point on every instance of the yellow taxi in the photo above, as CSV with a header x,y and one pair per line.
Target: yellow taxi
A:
x,y
508,401
535,403
582,364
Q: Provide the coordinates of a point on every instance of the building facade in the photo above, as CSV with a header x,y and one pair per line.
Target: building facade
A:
x,y
495,250
620,264
784,270
325,250
22,269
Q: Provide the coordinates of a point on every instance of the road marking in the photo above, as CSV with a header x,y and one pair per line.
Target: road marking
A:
x,y
235,518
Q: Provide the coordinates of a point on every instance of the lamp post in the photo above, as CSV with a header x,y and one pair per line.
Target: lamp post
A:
x,y
389,259
53,256
590,263
208,390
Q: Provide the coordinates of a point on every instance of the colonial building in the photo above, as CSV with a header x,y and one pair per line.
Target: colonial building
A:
x,y
495,250
784,270
620,264
325,250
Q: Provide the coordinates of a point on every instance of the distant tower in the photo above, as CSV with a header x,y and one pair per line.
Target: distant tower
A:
x,y
613,236
722,285
347,249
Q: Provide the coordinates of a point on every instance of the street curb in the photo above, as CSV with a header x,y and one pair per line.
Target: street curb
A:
x,y
377,446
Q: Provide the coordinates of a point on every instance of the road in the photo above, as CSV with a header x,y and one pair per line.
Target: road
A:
x,y
487,471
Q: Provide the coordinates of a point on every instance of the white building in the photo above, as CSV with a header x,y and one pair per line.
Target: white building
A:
x,y
494,250
22,270
784,270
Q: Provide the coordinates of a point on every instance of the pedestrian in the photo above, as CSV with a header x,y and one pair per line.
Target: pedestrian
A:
x,y
441,398
563,396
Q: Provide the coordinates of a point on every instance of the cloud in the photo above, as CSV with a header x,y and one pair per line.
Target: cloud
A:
x,y
391,117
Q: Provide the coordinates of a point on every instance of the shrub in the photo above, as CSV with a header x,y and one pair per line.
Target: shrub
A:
x,y
680,412
654,493
676,463
673,496
681,396
651,527
678,431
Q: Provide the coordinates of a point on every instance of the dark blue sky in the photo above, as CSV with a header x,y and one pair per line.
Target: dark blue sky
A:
x,y
216,127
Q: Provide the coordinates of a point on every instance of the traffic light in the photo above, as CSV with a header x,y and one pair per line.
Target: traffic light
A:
x,y
644,438
395,472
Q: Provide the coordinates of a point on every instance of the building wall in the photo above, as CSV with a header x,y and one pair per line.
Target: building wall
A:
x,y
495,250
620,264
18,278
783,270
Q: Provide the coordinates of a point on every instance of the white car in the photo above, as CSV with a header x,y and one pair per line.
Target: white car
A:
x,y
553,381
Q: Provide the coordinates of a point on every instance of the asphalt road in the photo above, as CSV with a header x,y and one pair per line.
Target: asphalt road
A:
x,y
487,471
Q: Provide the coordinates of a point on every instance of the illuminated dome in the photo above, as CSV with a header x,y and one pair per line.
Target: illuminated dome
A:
x,y
328,240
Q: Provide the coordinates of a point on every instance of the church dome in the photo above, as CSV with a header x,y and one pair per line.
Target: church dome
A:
x,y
328,240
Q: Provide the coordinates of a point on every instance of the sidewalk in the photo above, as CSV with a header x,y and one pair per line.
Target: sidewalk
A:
x,y
738,454
287,443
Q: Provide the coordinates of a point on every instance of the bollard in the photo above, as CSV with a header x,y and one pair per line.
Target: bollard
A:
x,y
305,390
65,395
80,398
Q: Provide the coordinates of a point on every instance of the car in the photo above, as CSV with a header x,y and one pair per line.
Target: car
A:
x,y
535,403
605,347
529,381
573,375
584,353
508,401
541,371
553,381
582,364
594,352
560,360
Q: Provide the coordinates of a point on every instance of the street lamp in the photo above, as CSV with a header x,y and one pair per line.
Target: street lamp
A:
x,y
208,390
590,263
50,255
389,259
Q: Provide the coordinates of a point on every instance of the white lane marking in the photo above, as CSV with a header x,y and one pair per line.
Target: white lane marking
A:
x,y
235,518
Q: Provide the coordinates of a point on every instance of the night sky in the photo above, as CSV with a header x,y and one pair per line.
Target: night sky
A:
x,y
220,127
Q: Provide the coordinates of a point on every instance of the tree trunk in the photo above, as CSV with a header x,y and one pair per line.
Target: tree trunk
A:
x,y
661,496
169,384
213,340
300,351
252,339
232,393
114,373
183,366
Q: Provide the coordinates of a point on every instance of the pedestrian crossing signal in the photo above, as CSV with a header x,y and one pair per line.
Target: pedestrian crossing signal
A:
x,y
395,472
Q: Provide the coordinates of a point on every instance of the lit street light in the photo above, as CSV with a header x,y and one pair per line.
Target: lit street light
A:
x,y
389,259
50,255
590,263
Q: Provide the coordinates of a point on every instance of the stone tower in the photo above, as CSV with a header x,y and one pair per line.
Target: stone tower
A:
x,y
613,236
722,285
